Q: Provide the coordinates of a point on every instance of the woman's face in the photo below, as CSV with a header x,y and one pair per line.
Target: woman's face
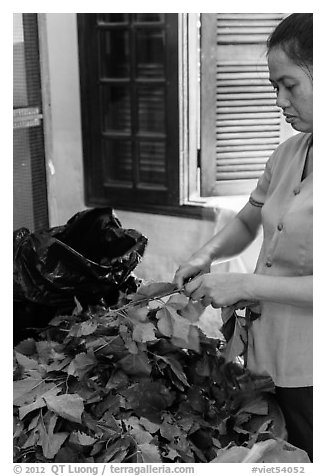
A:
x,y
293,85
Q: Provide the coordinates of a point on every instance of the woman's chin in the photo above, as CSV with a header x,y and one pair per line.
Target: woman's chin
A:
x,y
300,127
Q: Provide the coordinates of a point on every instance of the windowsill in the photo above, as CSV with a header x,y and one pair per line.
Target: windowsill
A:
x,y
196,207
230,202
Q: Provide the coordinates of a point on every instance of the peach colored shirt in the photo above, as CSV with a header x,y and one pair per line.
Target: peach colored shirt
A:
x,y
281,340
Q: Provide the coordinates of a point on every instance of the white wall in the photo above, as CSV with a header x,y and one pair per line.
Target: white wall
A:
x,y
64,153
171,239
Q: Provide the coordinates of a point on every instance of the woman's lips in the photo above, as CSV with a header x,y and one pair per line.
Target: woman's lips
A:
x,y
289,118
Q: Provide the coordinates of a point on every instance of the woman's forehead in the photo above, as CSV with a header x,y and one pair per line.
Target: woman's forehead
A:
x,y
281,65
279,56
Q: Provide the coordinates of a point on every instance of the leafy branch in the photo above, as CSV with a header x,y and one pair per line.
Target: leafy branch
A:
x,y
138,383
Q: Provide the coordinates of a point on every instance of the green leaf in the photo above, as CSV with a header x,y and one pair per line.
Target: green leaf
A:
x,y
81,364
178,301
184,334
50,442
118,448
58,320
33,423
18,427
192,341
127,337
172,454
83,329
32,439
39,402
180,324
117,380
176,368
200,453
79,308
26,362
138,314
202,366
68,406
184,449
149,399
154,304
66,455
227,313
108,345
144,332
49,351
258,406
27,389
235,347
26,347
169,430
187,422
273,422
23,387
137,431
149,425
58,365
164,323
197,400
111,403
148,453
192,311
137,365
132,347
81,439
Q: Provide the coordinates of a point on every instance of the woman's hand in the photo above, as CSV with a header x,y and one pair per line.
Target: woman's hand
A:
x,y
195,266
217,289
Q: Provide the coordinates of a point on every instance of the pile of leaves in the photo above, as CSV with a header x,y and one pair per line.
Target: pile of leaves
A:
x,y
137,383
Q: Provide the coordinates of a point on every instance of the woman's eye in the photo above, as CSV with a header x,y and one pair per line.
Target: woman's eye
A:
x,y
289,86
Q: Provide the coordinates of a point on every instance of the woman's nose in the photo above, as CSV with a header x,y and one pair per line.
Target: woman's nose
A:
x,y
281,100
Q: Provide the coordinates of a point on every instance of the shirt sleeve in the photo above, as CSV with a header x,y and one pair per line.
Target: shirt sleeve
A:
x,y
258,195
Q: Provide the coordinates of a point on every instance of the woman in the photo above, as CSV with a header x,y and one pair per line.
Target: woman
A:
x,y
280,340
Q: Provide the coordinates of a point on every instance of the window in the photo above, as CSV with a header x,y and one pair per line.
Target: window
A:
x,y
175,107
129,77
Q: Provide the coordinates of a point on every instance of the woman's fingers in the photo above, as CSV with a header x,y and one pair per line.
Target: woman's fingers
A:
x,y
217,289
190,270
181,276
206,301
184,275
193,289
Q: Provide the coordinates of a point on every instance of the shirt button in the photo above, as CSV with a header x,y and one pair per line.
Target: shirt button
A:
x,y
296,190
268,263
280,227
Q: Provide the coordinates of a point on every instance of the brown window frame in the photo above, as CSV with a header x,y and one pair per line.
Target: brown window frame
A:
x,y
137,197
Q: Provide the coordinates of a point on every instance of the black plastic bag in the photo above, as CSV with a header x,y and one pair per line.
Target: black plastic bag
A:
x,y
91,258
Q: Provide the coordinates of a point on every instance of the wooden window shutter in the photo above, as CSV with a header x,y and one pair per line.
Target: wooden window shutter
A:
x,y
244,126
129,98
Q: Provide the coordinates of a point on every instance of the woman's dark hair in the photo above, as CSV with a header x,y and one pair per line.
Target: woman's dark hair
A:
x,y
295,36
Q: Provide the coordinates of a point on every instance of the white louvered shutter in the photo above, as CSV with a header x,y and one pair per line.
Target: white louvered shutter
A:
x,y
240,123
